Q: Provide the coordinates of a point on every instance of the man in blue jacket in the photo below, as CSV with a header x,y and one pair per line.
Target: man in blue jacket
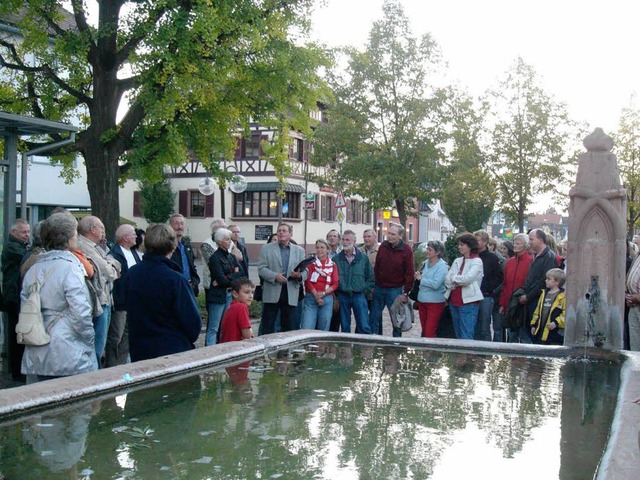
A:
x,y
356,282
162,314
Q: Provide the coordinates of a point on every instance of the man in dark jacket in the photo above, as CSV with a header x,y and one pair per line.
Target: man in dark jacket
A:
x,y
117,350
183,254
15,248
394,272
544,260
491,282
356,281
241,254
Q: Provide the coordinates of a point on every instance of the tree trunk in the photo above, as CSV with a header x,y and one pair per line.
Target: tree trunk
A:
x,y
102,182
521,221
401,206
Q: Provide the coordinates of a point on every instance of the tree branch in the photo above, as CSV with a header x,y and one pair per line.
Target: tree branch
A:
x,y
45,70
130,45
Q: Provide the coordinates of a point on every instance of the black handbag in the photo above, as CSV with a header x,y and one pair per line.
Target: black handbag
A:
x,y
413,294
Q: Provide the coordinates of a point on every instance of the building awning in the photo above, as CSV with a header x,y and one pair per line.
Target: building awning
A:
x,y
11,124
273,186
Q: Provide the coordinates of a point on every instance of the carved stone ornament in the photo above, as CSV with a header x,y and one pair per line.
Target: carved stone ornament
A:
x,y
598,141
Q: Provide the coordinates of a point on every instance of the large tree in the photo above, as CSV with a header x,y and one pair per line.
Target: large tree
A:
x,y
627,149
381,138
154,80
467,190
529,140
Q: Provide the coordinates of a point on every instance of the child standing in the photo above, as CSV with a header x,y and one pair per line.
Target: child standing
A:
x,y
236,324
547,324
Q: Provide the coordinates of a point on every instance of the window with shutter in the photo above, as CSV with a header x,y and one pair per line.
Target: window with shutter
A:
x,y
137,207
183,203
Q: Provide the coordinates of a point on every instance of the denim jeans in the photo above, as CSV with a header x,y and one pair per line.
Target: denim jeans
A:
x,y
315,317
464,320
358,303
215,312
383,297
101,327
483,326
296,317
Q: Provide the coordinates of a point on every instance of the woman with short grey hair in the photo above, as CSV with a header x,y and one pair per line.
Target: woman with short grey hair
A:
x,y
431,301
515,276
66,305
224,268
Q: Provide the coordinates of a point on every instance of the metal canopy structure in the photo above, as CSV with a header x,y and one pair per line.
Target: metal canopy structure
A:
x,y
12,127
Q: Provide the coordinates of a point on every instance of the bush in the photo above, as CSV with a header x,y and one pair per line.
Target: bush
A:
x,y
419,256
255,309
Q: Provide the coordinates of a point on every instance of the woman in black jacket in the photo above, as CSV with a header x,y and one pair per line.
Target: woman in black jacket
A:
x,y
224,268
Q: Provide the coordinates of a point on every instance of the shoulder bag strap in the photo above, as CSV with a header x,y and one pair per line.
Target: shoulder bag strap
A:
x,y
55,320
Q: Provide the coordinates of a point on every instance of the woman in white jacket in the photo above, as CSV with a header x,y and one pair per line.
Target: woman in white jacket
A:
x,y
463,287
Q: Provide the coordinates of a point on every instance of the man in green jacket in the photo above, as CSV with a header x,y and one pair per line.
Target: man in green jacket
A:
x,y
356,282
14,249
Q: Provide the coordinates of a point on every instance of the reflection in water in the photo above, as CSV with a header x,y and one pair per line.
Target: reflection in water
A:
x,y
345,411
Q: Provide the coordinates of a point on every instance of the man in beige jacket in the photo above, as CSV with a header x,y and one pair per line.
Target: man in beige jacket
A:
x,y
91,234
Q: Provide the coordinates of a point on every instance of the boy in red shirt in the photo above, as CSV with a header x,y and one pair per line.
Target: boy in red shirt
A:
x,y
236,324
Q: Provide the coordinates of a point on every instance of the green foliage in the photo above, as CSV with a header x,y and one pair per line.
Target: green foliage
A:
x,y
191,72
255,311
201,300
451,247
467,191
157,201
627,149
419,256
529,138
382,137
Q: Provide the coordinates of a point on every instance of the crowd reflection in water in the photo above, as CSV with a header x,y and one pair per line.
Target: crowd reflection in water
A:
x,y
309,398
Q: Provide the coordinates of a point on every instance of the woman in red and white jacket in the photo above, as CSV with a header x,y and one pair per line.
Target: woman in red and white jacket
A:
x,y
322,282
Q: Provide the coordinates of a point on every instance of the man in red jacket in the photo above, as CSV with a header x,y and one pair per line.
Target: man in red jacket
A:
x,y
394,272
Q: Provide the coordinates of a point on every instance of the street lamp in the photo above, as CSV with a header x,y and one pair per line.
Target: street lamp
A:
x,y
237,184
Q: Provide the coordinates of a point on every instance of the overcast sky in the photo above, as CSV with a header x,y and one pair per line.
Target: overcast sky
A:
x,y
585,52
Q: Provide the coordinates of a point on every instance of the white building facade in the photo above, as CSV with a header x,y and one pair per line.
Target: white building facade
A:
x,y
310,209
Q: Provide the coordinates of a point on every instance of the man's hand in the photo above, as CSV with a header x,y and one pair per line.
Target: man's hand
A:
x,y
501,310
551,326
404,298
296,275
281,278
522,299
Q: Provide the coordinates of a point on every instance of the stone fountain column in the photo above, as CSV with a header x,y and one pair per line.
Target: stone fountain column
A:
x,y
597,248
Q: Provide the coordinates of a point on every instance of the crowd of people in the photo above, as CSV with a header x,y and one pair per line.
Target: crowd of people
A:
x,y
105,304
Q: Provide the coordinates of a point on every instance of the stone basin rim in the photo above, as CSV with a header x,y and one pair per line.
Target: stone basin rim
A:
x,y
619,461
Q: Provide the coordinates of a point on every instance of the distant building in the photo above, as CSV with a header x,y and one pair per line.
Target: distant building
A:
x,y
552,223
